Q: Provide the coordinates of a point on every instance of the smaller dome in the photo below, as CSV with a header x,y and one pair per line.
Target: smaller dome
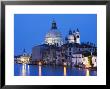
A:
x,y
71,37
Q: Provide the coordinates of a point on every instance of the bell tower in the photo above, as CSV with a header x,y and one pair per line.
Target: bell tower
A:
x,y
24,52
77,36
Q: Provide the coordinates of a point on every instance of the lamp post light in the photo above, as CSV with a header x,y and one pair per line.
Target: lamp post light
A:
x,y
64,63
40,63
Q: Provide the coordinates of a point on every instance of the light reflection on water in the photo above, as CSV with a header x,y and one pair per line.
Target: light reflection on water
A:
x,y
87,72
40,71
28,70
64,71
35,70
23,70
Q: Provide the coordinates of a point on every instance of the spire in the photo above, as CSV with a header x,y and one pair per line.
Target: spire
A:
x,y
24,50
73,31
54,24
70,32
77,30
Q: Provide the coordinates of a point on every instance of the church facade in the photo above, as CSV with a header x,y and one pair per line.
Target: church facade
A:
x,y
71,51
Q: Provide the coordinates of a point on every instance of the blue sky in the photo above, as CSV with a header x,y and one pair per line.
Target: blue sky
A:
x,y
30,29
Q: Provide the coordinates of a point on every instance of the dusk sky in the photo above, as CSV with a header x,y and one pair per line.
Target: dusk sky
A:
x,y
30,29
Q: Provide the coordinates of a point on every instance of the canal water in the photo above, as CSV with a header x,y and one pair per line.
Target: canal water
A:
x,y
46,70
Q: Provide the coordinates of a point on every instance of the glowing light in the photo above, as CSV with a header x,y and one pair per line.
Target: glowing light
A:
x,y
64,70
87,72
64,63
88,65
40,63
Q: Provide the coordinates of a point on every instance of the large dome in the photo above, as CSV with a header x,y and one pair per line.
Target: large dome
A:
x,y
53,36
53,33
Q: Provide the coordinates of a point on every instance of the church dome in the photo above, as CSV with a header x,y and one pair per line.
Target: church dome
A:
x,y
54,35
71,37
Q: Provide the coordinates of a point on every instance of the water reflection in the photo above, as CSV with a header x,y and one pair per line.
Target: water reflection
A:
x,y
28,70
40,70
87,72
24,70
64,70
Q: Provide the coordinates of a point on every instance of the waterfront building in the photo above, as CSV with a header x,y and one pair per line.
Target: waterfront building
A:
x,y
50,55
49,50
24,58
76,52
72,51
46,53
77,58
85,59
38,51
94,59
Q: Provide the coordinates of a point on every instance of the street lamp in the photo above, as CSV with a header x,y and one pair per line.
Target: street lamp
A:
x,y
40,63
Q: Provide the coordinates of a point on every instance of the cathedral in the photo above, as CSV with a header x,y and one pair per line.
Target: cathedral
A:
x,y
55,50
53,37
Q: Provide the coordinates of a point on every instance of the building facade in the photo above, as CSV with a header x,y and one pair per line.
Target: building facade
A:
x,y
25,58
72,51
